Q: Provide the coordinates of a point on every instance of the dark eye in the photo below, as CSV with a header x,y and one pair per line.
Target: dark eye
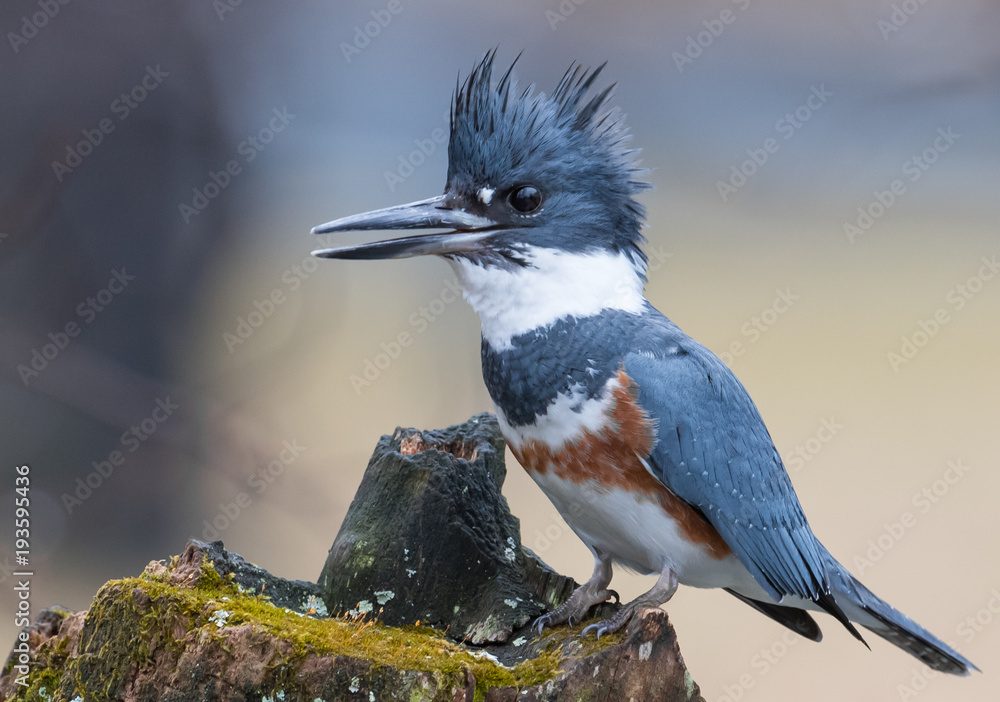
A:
x,y
525,199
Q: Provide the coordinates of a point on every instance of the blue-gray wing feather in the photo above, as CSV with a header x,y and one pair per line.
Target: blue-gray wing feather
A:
x,y
714,452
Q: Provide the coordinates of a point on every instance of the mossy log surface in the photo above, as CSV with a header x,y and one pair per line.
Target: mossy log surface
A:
x,y
207,625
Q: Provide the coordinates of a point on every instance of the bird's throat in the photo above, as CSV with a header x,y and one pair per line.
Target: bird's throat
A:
x,y
552,286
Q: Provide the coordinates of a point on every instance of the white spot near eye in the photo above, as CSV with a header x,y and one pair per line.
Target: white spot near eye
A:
x,y
486,195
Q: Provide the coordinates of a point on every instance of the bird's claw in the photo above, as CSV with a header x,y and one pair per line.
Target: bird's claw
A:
x,y
574,610
599,626
540,623
612,623
600,632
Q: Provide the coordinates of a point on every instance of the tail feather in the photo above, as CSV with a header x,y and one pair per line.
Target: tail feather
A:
x,y
880,617
916,640
829,603
798,620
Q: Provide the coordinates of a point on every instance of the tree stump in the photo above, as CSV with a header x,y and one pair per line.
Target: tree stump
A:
x,y
427,594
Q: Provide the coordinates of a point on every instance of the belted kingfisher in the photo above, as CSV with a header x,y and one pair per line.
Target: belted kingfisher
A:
x,y
643,439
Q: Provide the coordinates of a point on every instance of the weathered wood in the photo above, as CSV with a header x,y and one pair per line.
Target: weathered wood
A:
x,y
430,526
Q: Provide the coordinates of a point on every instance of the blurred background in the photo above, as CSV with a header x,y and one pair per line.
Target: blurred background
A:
x,y
825,216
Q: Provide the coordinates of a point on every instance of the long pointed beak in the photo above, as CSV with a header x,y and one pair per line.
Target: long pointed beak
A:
x,y
468,231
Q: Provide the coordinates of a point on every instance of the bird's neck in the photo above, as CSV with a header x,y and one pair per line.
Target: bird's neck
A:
x,y
554,285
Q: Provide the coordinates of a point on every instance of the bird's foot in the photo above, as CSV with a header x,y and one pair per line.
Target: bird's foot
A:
x,y
576,607
664,589
616,621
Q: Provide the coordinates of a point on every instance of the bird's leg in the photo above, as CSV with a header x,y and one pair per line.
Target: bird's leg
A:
x,y
592,592
663,590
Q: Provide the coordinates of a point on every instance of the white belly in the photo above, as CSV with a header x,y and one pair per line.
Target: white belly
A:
x,y
638,534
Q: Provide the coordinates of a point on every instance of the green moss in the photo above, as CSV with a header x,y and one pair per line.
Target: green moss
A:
x,y
111,643
590,644
123,629
43,683
210,580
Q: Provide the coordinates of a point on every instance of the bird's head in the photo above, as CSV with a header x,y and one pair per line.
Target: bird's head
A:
x,y
529,175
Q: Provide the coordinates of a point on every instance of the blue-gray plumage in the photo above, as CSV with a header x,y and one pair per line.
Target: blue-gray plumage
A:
x,y
524,379
715,453
644,440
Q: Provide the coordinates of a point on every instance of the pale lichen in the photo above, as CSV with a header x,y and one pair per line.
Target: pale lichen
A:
x,y
133,617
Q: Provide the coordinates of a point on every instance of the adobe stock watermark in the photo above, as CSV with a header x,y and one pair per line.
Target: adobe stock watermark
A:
x,y
976,623
409,163
257,484
797,458
696,44
956,298
364,33
6,569
923,502
420,321
121,107
263,308
225,7
41,357
563,11
900,15
912,169
33,24
786,127
554,530
919,680
969,630
656,258
248,150
130,441
759,324
761,663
